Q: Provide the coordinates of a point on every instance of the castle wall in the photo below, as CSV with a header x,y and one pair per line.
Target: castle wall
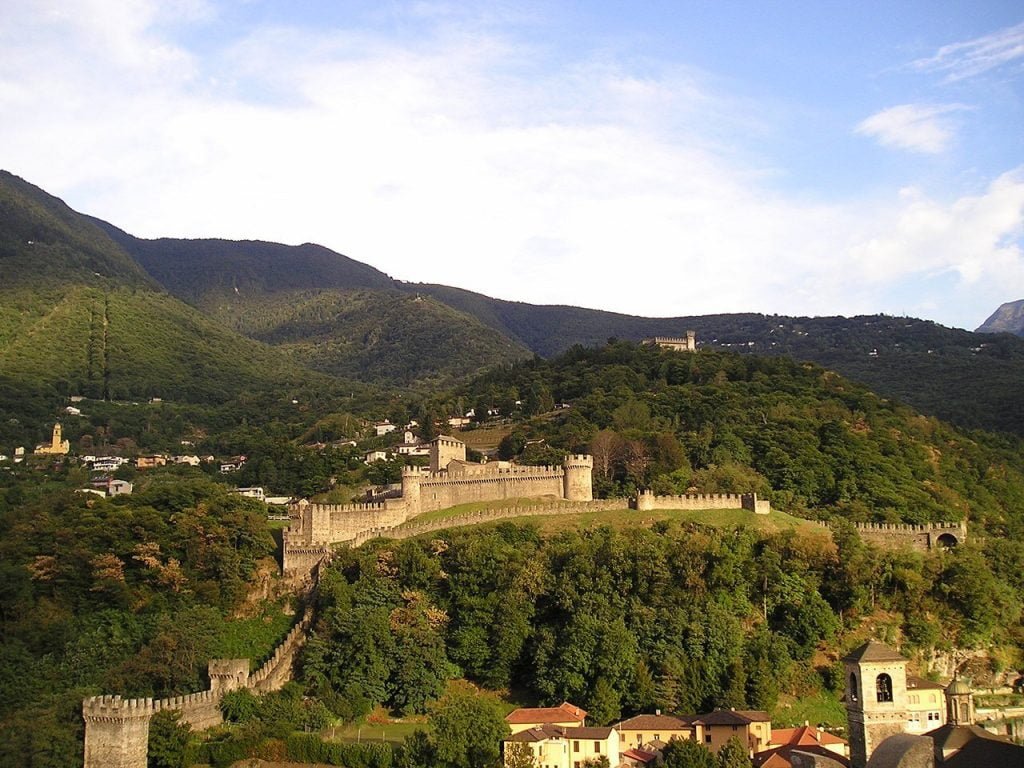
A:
x,y
919,537
701,501
117,730
467,487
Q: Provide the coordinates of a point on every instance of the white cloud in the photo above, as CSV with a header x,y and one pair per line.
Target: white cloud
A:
x,y
967,59
464,160
916,127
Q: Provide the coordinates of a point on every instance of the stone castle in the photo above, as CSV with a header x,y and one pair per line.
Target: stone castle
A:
x,y
676,343
448,482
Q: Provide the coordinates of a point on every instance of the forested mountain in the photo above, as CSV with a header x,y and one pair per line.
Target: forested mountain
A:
x,y
79,316
329,312
1009,318
340,316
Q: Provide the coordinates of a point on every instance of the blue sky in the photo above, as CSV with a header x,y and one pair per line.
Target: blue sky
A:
x,y
658,158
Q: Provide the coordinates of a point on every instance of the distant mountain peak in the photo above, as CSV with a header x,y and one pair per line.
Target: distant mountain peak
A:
x,y
1009,318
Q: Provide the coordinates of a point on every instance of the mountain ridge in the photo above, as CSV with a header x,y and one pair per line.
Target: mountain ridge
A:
x,y
1009,318
331,313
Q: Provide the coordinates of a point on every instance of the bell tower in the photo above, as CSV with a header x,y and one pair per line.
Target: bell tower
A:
x,y
876,698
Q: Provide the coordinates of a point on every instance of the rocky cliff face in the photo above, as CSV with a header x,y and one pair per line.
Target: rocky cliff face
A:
x,y
1009,318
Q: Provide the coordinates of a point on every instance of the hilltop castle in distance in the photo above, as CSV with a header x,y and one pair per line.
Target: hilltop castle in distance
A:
x,y
448,482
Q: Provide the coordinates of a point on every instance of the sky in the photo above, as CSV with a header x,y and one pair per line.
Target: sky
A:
x,y
648,157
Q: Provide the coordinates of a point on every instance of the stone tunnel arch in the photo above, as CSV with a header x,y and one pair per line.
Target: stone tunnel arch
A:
x,y
946,541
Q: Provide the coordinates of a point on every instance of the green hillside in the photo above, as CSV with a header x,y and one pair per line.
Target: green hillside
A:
x,y
44,243
377,336
970,379
815,443
79,316
200,271
328,312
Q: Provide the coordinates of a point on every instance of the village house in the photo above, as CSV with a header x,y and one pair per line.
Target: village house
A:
x,y
150,462
253,492
372,456
119,488
557,737
232,465
106,463
647,729
382,428
926,705
192,461
555,746
753,728
412,446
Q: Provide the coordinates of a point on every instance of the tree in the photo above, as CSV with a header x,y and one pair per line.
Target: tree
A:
x,y
733,755
686,753
168,738
468,729
518,755
605,704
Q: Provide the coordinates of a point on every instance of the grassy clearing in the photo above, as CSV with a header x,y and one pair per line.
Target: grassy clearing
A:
x,y
819,709
393,732
485,438
626,518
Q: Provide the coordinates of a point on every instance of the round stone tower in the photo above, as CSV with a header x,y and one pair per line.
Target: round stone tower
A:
x,y
411,477
578,481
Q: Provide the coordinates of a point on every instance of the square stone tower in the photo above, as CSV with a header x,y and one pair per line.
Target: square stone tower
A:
x,y
876,698
444,450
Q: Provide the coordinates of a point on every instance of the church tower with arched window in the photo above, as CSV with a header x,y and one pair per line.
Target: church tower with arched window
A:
x,y
876,698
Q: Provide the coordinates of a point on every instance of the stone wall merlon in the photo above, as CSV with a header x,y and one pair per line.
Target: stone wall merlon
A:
x,y
117,707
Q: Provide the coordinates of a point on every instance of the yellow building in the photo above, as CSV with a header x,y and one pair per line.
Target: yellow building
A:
x,y
752,727
57,446
645,729
926,705
555,746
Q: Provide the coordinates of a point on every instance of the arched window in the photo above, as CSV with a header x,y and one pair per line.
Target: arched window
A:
x,y
883,685
965,713
853,687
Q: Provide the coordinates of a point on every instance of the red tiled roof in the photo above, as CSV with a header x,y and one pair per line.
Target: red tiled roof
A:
x,y
920,683
804,735
779,757
564,712
733,717
639,754
653,723
588,733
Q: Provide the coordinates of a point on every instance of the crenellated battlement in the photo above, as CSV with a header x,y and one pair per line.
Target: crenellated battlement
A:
x,y
646,500
115,708
923,536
